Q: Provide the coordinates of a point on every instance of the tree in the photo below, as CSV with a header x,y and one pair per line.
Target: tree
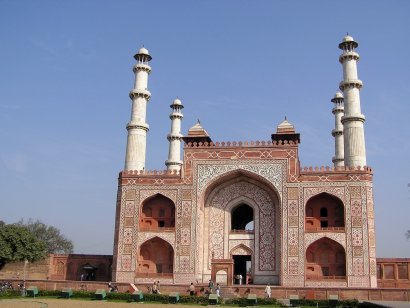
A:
x,y
51,236
408,234
17,243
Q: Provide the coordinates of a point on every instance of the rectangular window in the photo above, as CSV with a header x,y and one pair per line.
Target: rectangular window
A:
x,y
161,223
388,271
161,213
403,271
323,224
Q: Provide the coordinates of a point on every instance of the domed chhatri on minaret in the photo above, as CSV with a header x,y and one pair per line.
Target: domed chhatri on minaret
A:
x,y
353,119
174,161
337,132
137,127
226,209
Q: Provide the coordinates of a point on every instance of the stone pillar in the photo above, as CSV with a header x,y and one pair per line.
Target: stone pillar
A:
x,y
337,133
137,127
353,119
174,137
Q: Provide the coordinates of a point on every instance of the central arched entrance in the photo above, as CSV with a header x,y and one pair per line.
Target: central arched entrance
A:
x,y
241,225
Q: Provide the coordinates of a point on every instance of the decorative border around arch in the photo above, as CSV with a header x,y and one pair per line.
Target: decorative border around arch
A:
x,y
167,237
245,248
337,192
146,194
270,175
339,238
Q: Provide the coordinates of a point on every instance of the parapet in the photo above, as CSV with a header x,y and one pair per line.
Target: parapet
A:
x,y
229,144
327,169
162,173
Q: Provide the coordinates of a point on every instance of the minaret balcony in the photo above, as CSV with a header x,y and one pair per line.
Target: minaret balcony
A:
x,y
173,163
353,118
349,55
141,67
133,125
140,93
171,137
346,84
338,109
176,115
337,132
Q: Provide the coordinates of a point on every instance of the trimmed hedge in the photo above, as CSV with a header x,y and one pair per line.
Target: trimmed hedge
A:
x,y
10,294
243,301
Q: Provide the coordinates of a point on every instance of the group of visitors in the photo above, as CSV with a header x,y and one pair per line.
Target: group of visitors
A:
x,y
211,288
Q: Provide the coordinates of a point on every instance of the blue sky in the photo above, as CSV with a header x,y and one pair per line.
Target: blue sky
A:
x,y
238,66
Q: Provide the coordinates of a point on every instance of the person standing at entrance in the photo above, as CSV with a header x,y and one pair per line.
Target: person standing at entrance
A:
x,y
211,286
218,290
240,279
268,291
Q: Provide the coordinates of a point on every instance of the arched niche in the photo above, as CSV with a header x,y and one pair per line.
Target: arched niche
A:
x,y
325,260
324,212
155,258
157,214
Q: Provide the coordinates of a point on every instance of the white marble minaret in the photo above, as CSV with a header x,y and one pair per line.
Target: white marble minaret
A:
x,y
174,137
337,133
353,119
137,127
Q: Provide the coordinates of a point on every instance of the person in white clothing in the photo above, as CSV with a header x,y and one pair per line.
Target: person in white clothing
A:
x,y
268,291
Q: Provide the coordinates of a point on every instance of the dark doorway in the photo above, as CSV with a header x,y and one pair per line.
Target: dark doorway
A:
x,y
242,218
242,266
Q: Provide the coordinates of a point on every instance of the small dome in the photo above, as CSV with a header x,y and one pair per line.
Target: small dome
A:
x,y
338,94
285,128
176,102
143,51
348,38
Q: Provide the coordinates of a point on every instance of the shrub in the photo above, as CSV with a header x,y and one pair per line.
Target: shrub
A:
x,y
49,293
10,294
193,299
119,296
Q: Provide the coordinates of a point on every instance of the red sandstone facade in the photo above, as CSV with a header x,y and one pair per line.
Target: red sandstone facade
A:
x,y
300,227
